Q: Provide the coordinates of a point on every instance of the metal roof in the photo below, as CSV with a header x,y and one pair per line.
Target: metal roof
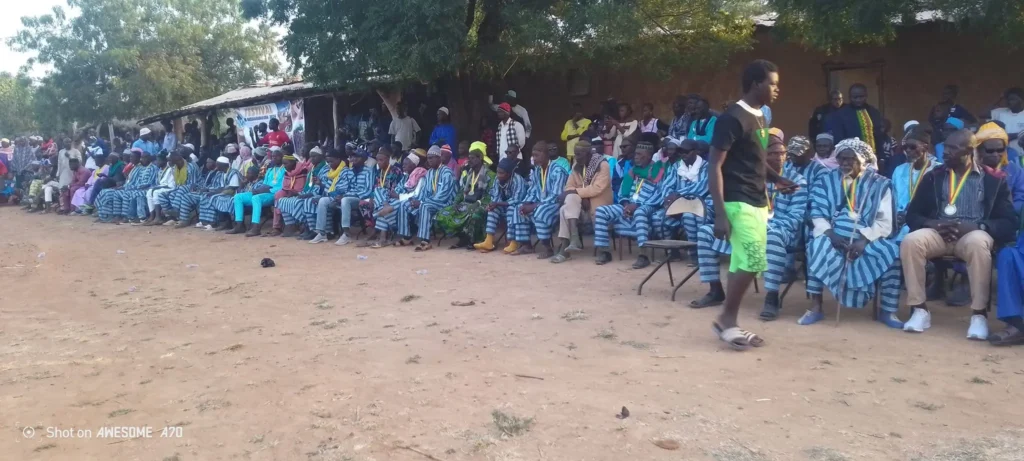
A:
x,y
244,97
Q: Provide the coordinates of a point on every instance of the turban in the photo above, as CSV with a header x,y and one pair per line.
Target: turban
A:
x,y
508,164
775,140
415,159
316,150
959,124
478,146
777,133
910,124
289,157
991,131
798,146
435,151
223,160
865,154
504,107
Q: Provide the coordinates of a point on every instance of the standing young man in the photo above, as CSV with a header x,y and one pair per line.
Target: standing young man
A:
x,y
737,178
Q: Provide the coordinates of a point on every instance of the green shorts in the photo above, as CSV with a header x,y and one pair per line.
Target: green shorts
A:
x,y
748,237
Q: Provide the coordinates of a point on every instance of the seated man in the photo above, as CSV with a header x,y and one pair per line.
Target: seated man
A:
x,y
115,204
960,209
852,248
260,195
156,193
216,207
388,201
466,217
786,212
507,193
213,180
186,175
639,199
589,187
992,149
540,208
686,178
295,180
356,184
388,174
299,209
438,191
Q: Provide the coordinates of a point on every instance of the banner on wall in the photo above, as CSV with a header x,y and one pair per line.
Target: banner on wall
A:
x,y
290,114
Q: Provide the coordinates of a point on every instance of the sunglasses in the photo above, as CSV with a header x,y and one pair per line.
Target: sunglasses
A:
x,y
998,150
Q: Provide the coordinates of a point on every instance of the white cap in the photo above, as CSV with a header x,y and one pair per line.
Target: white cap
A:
x,y
144,131
511,94
443,109
906,126
224,160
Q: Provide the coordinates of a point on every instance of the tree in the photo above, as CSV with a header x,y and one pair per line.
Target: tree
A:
x,y
16,116
464,42
129,58
830,24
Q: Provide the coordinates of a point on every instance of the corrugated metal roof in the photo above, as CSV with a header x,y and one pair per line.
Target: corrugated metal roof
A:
x,y
244,97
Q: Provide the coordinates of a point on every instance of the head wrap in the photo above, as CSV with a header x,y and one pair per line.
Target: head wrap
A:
x,y
798,146
777,133
827,136
260,152
991,131
415,159
443,109
275,149
435,151
910,124
865,154
289,157
189,146
231,149
959,124
504,107
316,150
508,164
136,149
144,131
482,148
224,160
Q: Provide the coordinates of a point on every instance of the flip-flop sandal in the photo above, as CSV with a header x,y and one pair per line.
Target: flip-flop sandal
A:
x,y
810,318
559,258
737,338
522,251
707,301
423,246
376,245
403,242
1005,338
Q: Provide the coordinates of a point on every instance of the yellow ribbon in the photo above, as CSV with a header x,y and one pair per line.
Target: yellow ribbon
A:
x,y
383,177
472,182
954,188
915,182
851,195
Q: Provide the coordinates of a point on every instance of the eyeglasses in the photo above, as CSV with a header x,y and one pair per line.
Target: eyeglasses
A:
x,y
998,150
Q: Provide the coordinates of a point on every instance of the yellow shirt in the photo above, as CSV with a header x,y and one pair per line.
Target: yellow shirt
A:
x,y
573,129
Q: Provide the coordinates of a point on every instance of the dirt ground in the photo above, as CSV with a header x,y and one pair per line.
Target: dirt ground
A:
x,y
331,357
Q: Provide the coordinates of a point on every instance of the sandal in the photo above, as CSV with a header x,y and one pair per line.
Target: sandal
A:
x,y
523,250
708,300
770,312
1008,337
560,258
424,246
811,317
737,338
403,242
376,245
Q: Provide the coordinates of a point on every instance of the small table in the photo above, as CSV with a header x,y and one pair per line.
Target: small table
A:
x,y
668,246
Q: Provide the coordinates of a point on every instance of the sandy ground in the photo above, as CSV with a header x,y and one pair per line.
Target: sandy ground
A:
x,y
331,357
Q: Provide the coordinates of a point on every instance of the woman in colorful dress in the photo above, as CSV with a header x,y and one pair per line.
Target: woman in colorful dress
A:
x,y
466,217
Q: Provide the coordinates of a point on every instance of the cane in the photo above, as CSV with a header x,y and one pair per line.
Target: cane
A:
x,y
846,261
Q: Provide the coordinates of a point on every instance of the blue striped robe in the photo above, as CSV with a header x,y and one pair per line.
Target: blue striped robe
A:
x,y
302,209
438,192
210,205
120,202
381,198
666,226
880,261
545,195
649,198
512,192
173,200
785,228
188,201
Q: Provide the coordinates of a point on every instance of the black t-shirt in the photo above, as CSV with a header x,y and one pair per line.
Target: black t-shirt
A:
x,y
744,136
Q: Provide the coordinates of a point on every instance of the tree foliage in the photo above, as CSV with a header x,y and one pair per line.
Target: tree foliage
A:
x,y
15,105
830,24
344,41
127,58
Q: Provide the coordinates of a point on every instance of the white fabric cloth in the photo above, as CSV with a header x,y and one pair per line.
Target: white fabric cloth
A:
x,y
64,173
520,112
1014,122
880,228
690,172
627,129
404,130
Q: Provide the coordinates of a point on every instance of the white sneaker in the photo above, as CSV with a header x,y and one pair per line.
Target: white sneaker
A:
x,y
208,227
343,240
979,328
199,225
320,238
920,321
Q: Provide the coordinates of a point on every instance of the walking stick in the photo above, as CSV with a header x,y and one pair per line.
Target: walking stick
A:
x,y
846,262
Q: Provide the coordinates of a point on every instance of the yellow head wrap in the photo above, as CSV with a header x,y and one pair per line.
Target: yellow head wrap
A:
x,y
991,131
482,147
